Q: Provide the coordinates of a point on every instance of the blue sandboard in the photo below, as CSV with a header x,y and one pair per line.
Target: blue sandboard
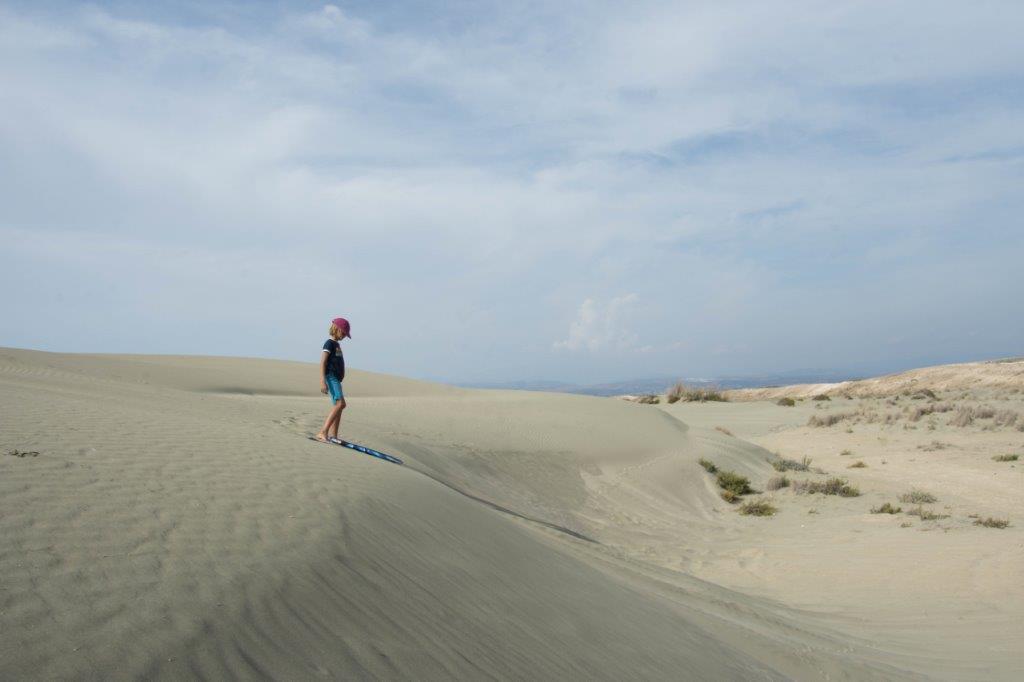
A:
x,y
363,449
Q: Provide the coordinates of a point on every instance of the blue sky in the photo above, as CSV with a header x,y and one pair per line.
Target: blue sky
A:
x,y
579,191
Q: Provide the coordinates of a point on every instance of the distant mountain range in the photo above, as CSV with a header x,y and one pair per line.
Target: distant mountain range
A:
x,y
660,384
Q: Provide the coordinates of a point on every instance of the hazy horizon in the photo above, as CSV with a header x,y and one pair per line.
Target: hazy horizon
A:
x,y
582,192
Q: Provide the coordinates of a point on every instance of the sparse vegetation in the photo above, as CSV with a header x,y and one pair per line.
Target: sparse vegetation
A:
x,y
708,465
1005,458
731,481
859,464
830,419
992,522
933,446
724,430
820,397
777,483
846,453
785,402
783,464
917,496
757,508
927,514
648,400
730,497
963,417
22,453
694,395
886,509
832,486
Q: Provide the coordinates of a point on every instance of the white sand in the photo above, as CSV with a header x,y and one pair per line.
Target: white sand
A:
x,y
177,523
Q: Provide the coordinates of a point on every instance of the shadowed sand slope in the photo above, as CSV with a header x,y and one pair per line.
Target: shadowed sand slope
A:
x,y
177,523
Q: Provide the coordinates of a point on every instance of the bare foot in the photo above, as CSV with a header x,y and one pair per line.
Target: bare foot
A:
x,y
321,437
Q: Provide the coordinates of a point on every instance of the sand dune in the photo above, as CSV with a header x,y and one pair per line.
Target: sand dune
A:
x,y
176,523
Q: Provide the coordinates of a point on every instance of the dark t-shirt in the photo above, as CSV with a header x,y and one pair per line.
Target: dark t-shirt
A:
x,y
335,360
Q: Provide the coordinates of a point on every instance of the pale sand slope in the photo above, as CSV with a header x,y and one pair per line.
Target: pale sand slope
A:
x,y
177,524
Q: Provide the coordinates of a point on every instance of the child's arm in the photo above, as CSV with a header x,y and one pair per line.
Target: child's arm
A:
x,y
323,370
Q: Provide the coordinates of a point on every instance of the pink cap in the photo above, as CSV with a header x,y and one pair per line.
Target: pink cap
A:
x,y
342,324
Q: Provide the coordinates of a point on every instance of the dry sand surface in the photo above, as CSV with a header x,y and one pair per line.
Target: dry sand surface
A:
x,y
177,523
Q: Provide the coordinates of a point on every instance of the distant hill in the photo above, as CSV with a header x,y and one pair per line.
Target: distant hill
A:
x,y
996,375
661,384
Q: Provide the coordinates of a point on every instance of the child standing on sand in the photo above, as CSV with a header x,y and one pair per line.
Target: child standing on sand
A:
x,y
332,373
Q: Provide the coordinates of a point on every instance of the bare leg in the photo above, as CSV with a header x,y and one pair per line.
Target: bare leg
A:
x,y
332,428
333,417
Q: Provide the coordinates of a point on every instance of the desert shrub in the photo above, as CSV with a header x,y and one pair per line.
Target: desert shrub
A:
x,y
757,508
820,397
933,446
886,509
832,486
782,464
724,430
859,464
1006,418
730,497
992,523
830,419
708,465
963,417
917,496
694,395
924,393
785,402
926,514
728,480
1005,458
777,483
649,400
985,412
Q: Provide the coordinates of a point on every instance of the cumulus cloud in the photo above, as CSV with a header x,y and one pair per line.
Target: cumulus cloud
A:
x,y
600,327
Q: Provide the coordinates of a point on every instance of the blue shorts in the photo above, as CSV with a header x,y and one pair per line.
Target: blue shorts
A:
x,y
334,389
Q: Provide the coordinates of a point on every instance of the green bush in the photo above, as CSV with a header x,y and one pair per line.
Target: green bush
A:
x,y
785,402
728,480
708,465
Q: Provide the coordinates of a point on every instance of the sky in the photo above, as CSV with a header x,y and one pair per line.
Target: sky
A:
x,y
503,191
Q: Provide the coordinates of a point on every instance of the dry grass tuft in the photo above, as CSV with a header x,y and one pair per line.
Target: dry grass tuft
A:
x,y
694,395
821,397
917,496
730,497
791,464
1005,458
992,523
886,509
785,402
859,464
830,419
926,514
724,430
832,486
757,508
777,483
648,400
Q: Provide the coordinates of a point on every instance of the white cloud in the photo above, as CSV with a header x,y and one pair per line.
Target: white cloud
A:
x,y
601,327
